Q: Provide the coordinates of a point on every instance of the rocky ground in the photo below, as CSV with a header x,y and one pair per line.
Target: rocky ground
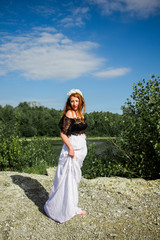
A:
x,y
117,208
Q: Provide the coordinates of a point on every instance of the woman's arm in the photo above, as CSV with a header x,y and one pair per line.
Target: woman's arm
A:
x,y
65,139
68,144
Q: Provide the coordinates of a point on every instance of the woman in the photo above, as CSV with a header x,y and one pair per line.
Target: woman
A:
x,y
63,198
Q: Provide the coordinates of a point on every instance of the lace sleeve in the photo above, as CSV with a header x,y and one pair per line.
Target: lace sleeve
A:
x,y
65,125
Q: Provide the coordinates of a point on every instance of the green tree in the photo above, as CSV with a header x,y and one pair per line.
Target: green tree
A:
x,y
141,128
37,120
103,124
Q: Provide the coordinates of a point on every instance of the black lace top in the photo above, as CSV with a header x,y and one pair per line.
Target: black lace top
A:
x,y
72,126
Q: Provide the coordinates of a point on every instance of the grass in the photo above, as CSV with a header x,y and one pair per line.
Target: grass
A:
x,y
59,138
48,138
100,138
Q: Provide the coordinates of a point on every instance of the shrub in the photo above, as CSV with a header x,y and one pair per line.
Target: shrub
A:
x,y
38,154
10,152
110,163
141,129
22,155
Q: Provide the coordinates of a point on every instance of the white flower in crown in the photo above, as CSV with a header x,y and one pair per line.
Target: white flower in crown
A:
x,y
74,90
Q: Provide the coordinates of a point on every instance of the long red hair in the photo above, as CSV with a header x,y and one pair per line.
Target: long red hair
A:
x,y
81,106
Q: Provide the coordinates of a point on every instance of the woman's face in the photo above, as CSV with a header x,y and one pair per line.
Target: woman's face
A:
x,y
74,101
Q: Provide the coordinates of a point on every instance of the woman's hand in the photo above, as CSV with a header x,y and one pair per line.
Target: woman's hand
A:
x,y
71,152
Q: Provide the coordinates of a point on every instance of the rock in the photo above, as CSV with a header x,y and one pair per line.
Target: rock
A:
x,y
117,208
51,171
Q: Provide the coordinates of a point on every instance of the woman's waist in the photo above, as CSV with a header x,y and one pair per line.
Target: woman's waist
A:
x,y
78,134
77,141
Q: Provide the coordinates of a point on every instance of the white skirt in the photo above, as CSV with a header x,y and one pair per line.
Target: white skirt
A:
x,y
62,204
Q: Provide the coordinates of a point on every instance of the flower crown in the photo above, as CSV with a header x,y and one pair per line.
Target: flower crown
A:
x,y
74,90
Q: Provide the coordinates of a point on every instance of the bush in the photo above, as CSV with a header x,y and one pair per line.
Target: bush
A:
x,y
10,153
38,154
10,147
27,156
141,129
92,165
110,163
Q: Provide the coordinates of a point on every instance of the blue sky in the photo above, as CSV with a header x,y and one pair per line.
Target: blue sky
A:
x,y
99,46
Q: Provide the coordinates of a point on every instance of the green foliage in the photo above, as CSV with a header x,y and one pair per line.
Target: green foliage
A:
x,y
10,149
17,154
92,165
141,128
35,120
103,124
38,154
109,163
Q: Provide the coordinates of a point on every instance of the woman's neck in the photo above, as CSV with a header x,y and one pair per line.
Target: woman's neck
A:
x,y
76,113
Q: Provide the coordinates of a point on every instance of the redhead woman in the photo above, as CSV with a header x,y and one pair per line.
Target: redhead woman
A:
x,y
62,204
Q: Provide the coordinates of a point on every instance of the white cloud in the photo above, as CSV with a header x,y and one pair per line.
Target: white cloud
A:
x,y
44,11
141,8
76,17
47,54
45,29
111,73
80,10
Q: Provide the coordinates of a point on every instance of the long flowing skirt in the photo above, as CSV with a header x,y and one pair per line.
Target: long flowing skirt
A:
x,y
62,204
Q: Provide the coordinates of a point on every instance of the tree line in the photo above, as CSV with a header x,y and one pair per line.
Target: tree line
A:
x,y
34,120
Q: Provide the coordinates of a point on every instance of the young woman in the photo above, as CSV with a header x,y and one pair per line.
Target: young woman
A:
x,y
62,204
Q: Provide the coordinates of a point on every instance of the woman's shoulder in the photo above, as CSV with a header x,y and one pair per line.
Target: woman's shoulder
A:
x,y
69,114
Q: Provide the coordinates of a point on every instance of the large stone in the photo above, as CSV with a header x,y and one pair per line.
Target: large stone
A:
x,y
117,208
